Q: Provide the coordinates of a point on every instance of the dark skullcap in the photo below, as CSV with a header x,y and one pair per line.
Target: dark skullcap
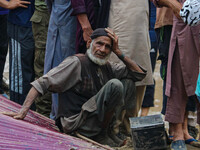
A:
x,y
99,32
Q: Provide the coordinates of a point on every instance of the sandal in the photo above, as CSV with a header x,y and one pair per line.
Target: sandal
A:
x,y
193,142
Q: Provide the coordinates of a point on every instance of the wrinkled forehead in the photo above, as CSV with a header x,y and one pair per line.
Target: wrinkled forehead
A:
x,y
105,39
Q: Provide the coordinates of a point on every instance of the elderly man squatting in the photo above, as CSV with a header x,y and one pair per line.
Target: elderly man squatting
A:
x,y
93,89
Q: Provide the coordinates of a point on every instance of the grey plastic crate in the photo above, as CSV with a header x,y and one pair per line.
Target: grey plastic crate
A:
x,y
148,133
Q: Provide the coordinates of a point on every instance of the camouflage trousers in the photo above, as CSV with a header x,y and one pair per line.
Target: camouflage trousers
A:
x,y
40,22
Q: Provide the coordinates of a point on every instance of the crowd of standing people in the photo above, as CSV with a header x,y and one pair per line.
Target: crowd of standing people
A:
x,y
90,78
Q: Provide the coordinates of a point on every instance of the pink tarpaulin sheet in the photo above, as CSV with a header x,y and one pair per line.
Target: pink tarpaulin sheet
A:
x,y
35,132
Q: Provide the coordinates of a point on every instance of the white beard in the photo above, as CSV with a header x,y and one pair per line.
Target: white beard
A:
x,y
94,59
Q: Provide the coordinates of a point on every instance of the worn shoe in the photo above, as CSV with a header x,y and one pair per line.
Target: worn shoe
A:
x,y
178,145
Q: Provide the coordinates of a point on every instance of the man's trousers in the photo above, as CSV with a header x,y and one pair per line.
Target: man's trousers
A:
x,y
114,97
21,53
40,22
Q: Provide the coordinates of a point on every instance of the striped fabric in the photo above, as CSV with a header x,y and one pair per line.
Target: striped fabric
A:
x,y
21,58
34,132
16,75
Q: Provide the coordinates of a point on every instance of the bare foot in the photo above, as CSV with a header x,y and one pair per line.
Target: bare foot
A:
x,y
177,131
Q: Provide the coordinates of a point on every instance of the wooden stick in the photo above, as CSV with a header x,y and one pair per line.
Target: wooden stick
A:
x,y
91,141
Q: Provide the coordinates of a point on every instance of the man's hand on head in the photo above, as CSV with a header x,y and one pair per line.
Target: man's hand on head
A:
x,y
114,37
115,48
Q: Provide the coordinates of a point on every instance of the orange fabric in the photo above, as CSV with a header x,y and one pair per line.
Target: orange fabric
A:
x,y
164,16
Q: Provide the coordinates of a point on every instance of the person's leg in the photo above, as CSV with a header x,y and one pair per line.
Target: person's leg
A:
x,y
144,111
27,62
107,100
198,109
21,52
140,91
198,115
190,107
96,124
124,112
176,103
95,117
192,124
164,99
185,127
177,131
56,60
176,112
163,38
3,47
148,100
60,42
191,117
40,28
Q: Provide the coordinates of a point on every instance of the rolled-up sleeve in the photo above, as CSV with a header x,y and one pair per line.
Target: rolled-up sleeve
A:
x,y
136,76
61,78
122,72
78,7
